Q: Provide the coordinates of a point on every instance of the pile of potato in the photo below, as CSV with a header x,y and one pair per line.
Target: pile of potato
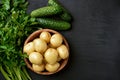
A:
x,y
46,51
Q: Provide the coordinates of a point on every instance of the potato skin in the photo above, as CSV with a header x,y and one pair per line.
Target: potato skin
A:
x,y
28,48
36,58
45,36
56,40
40,45
38,68
51,55
52,67
63,51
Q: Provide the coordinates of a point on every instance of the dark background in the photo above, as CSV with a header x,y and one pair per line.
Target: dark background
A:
x,y
94,40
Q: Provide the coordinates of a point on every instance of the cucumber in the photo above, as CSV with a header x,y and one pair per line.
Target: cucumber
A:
x,y
46,11
54,24
53,3
65,15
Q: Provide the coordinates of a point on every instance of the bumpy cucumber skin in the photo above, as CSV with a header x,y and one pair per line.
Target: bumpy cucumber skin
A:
x,y
46,11
54,24
65,15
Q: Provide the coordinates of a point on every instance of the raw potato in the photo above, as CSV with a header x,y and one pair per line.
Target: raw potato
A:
x,y
56,40
52,67
59,58
45,36
38,68
40,45
63,51
35,58
51,55
28,48
50,46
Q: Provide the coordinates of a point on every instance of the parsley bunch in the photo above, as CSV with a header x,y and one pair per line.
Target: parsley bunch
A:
x,y
15,26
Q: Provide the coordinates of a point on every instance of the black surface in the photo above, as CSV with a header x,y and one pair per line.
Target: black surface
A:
x,y
94,40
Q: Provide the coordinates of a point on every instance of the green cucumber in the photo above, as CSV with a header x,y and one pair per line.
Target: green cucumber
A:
x,y
54,24
46,11
65,15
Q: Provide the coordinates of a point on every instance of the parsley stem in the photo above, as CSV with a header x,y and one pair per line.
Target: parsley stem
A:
x,y
4,73
26,73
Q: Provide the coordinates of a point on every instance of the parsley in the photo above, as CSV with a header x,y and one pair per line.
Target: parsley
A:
x,y
15,26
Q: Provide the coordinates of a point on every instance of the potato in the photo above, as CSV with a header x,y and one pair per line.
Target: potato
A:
x,y
28,48
35,58
40,45
52,67
50,46
56,40
38,68
45,36
59,58
51,55
63,51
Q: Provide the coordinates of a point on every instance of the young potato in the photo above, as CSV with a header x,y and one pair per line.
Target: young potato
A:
x,y
52,67
45,36
59,58
50,46
28,48
51,55
56,40
36,58
63,51
40,45
38,68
